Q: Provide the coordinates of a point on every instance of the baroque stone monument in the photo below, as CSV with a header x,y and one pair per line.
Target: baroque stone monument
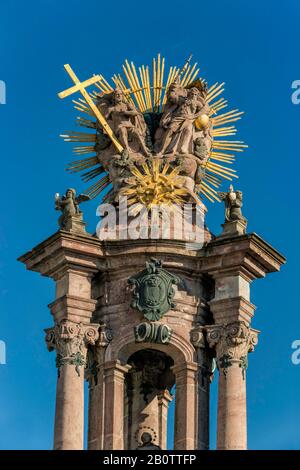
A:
x,y
136,316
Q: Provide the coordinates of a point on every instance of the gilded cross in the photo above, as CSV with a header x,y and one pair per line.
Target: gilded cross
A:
x,y
81,87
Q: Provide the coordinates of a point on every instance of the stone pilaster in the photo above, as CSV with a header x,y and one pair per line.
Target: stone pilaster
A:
x,y
70,340
94,374
232,342
114,376
164,399
185,406
204,376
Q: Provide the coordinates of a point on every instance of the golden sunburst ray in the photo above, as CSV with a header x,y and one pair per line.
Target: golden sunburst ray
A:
x,y
80,121
79,165
91,174
225,118
98,187
84,149
78,137
223,131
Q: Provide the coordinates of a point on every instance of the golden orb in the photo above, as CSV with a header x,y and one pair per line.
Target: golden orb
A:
x,y
202,121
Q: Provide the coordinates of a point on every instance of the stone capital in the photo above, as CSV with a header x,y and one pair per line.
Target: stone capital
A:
x,y
115,370
232,342
95,356
71,340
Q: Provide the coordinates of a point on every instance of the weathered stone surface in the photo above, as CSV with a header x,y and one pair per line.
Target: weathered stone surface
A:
x,y
92,288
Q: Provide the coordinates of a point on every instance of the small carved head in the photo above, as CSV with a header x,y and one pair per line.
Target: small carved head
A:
x,y
70,193
146,438
118,95
193,93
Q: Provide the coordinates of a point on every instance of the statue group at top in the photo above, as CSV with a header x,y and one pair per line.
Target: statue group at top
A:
x,y
180,135
163,138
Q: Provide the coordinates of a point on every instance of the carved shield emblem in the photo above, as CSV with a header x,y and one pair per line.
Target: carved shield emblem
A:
x,y
153,292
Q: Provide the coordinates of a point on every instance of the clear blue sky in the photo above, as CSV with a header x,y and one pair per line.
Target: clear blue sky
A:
x,y
253,47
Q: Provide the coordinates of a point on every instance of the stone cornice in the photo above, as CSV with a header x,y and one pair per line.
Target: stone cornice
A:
x,y
246,255
63,251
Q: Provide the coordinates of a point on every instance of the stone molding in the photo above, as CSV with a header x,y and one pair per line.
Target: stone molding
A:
x,y
71,340
233,309
179,348
72,306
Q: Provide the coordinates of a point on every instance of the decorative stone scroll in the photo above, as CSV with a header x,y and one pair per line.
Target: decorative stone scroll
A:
x,y
152,333
232,343
198,337
71,340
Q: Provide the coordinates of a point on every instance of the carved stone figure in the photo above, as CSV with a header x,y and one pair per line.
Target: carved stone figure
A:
x,y
180,135
147,442
126,121
71,217
153,292
177,122
233,205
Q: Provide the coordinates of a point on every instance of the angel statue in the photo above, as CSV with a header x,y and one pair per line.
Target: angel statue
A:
x,y
71,217
233,205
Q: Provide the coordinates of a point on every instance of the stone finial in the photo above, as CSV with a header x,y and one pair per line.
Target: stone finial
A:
x,y
71,218
70,340
235,223
232,343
